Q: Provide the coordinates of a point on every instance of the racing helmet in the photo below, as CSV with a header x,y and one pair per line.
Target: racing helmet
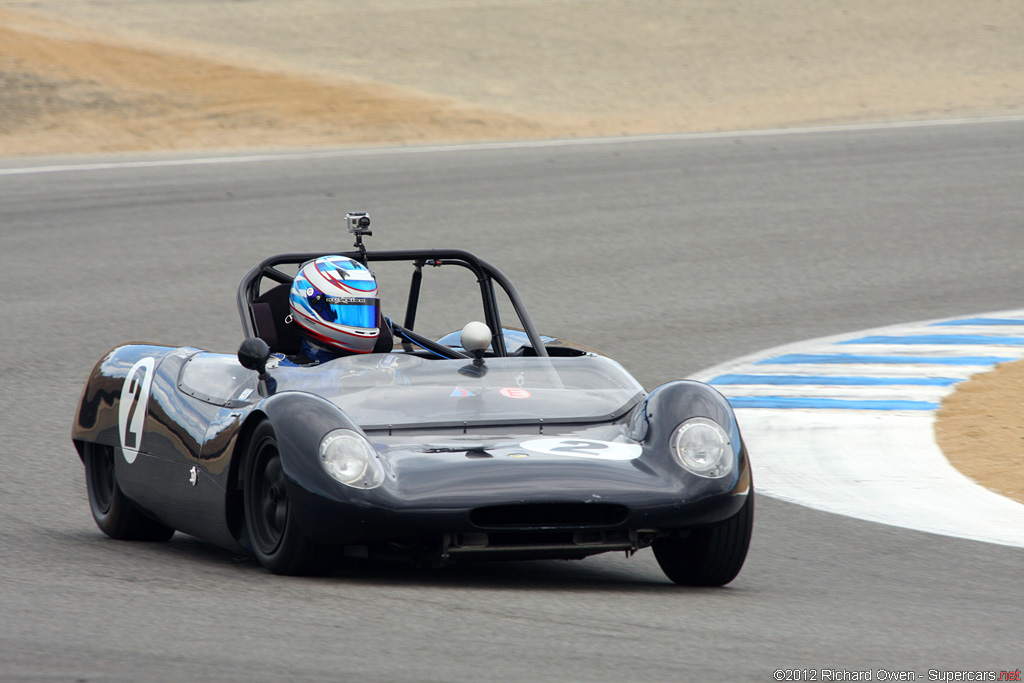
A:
x,y
334,302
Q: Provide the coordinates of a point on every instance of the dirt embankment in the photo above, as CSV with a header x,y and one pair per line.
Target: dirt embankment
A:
x,y
980,428
64,96
91,75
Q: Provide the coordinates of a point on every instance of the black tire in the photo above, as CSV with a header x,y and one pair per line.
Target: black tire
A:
x,y
277,541
114,513
709,556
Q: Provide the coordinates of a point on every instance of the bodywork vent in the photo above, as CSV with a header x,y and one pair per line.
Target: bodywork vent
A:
x,y
546,515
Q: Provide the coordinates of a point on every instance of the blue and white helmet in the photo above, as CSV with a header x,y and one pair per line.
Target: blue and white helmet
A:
x,y
334,302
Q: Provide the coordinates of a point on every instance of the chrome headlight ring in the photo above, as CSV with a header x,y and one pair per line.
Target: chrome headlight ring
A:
x,y
703,447
351,460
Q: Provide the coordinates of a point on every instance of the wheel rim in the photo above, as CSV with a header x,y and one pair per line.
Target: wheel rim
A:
x,y
269,498
101,477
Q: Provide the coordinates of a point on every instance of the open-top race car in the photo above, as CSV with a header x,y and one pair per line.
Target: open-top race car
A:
x,y
496,443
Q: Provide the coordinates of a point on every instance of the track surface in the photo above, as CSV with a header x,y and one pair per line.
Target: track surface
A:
x,y
670,256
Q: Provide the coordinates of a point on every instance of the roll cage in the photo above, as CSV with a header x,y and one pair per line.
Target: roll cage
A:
x,y
486,274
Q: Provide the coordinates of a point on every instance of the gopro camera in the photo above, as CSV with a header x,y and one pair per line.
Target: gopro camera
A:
x,y
358,223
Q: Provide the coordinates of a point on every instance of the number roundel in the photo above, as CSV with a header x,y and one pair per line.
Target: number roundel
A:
x,y
133,406
584,448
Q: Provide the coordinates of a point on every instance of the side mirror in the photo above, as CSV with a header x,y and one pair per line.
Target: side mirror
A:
x,y
253,354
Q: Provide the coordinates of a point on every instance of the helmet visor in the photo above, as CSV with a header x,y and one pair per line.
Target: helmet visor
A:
x,y
349,311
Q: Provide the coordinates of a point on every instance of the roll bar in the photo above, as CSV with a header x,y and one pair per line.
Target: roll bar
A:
x,y
486,275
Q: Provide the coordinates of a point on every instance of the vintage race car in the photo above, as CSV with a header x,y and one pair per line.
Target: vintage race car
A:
x,y
472,446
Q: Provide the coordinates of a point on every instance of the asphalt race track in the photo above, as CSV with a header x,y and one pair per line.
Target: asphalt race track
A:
x,y
671,256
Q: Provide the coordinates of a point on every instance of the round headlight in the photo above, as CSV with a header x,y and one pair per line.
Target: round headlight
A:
x,y
351,460
703,447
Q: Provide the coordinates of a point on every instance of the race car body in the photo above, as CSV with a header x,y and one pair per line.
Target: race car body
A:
x,y
518,446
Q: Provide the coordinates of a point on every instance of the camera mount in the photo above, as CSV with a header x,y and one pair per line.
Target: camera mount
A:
x,y
358,223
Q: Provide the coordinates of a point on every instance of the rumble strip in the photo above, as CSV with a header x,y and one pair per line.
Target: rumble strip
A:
x,y
846,424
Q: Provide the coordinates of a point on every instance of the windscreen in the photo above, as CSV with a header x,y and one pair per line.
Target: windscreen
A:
x,y
398,390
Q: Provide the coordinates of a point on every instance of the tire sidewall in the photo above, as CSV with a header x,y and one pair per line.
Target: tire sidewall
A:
x,y
709,556
109,518
119,518
293,552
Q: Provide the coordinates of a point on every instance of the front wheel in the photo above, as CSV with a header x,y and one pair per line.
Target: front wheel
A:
x,y
277,540
709,556
114,513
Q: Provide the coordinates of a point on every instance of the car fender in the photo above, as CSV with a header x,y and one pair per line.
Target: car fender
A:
x,y
98,419
300,422
131,403
655,419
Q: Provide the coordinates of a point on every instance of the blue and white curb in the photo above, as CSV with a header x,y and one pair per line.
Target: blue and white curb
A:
x,y
846,424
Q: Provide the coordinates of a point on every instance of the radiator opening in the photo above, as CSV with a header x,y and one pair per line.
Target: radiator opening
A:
x,y
545,515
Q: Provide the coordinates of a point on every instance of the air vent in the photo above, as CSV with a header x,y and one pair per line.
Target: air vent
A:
x,y
544,515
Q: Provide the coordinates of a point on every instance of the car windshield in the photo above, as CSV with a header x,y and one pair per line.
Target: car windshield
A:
x,y
382,391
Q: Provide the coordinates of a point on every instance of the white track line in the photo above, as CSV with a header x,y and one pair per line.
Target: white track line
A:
x,y
487,146
846,424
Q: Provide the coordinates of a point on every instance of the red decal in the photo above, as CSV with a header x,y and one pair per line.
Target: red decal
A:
x,y
515,393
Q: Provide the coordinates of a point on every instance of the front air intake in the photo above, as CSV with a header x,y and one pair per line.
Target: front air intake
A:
x,y
546,515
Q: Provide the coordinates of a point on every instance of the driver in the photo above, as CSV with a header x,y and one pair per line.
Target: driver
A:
x,y
334,303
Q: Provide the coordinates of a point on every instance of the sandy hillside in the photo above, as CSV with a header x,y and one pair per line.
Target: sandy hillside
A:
x,y
70,91
154,75
109,76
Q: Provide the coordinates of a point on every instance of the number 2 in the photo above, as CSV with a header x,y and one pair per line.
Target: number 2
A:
x,y
133,406
580,447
